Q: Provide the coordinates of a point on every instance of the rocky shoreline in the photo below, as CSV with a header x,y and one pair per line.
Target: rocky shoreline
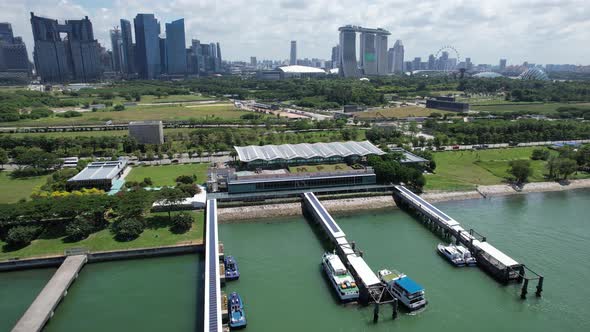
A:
x,y
244,213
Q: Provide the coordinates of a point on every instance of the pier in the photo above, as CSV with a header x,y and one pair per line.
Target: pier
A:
x,y
371,289
41,310
499,265
213,305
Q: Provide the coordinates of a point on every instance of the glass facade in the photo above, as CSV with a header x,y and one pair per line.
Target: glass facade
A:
x,y
175,48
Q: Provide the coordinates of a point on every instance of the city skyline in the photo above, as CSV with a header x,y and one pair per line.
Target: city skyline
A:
x,y
423,30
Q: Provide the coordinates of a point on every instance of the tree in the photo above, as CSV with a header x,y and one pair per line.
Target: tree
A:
x,y
80,227
128,229
233,154
186,179
119,108
171,198
182,222
3,158
21,236
540,154
521,170
566,167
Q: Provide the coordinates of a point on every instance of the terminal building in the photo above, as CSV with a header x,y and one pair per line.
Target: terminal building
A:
x,y
297,167
147,132
100,174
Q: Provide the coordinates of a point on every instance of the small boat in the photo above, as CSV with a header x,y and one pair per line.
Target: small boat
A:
x,y
467,257
451,253
406,290
237,316
231,268
341,280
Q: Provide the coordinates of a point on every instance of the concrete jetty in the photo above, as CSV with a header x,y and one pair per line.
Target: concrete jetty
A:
x,y
44,305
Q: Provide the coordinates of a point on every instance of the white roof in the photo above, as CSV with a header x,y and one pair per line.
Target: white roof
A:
x,y
363,270
302,70
336,263
496,254
100,170
306,150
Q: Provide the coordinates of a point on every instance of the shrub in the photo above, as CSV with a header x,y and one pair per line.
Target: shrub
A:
x,y
182,222
186,179
148,181
21,236
540,154
118,108
128,229
189,189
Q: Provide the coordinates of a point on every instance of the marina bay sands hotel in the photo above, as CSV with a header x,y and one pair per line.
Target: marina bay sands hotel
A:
x,y
373,51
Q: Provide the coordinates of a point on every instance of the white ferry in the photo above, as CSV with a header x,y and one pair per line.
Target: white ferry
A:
x,y
406,290
340,278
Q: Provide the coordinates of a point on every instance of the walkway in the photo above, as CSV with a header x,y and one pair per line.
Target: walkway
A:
x,y
42,308
212,314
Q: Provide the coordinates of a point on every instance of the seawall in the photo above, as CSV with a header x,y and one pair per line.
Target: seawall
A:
x,y
101,256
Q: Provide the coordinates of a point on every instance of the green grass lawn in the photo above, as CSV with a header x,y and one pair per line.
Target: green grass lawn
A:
x,y
139,113
156,234
166,174
463,170
543,108
319,168
12,190
399,112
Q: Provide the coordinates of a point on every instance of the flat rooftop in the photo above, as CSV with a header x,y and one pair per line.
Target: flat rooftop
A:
x,y
306,151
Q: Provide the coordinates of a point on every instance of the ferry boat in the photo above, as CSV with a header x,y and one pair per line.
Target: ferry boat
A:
x,y
340,278
467,257
451,253
406,290
231,268
237,316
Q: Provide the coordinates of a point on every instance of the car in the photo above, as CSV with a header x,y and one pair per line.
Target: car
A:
x,y
456,147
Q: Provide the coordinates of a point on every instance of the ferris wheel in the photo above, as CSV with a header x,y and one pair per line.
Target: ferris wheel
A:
x,y
443,55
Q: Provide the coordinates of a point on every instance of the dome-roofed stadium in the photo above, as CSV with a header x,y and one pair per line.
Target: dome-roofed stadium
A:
x,y
534,74
488,74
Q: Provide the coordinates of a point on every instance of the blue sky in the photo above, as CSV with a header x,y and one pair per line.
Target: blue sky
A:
x,y
538,31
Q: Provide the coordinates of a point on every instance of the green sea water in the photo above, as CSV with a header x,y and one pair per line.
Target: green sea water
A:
x,y
284,289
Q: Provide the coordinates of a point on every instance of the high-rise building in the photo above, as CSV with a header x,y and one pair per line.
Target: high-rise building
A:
x,y
6,34
197,57
293,57
117,49
368,54
335,55
75,58
468,64
175,48
253,61
381,51
431,62
14,60
348,64
416,63
502,64
147,46
127,49
398,57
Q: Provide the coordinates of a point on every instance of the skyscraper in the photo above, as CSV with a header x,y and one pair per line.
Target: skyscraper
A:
x,y
6,34
76,57
335,56
381,50
253,61
293,58
431,62
398,57
348,64
147,46
13,53
502,64
368,54
127,54
117,49
175,48
416,63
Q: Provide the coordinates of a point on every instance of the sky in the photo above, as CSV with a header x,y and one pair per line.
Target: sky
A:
x,y
537,31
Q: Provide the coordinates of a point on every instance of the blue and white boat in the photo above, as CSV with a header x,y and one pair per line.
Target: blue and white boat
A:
x,y
341,280
231,268
406,290
237,316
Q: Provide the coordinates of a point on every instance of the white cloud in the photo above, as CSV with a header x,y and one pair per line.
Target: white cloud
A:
x,y
544,31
